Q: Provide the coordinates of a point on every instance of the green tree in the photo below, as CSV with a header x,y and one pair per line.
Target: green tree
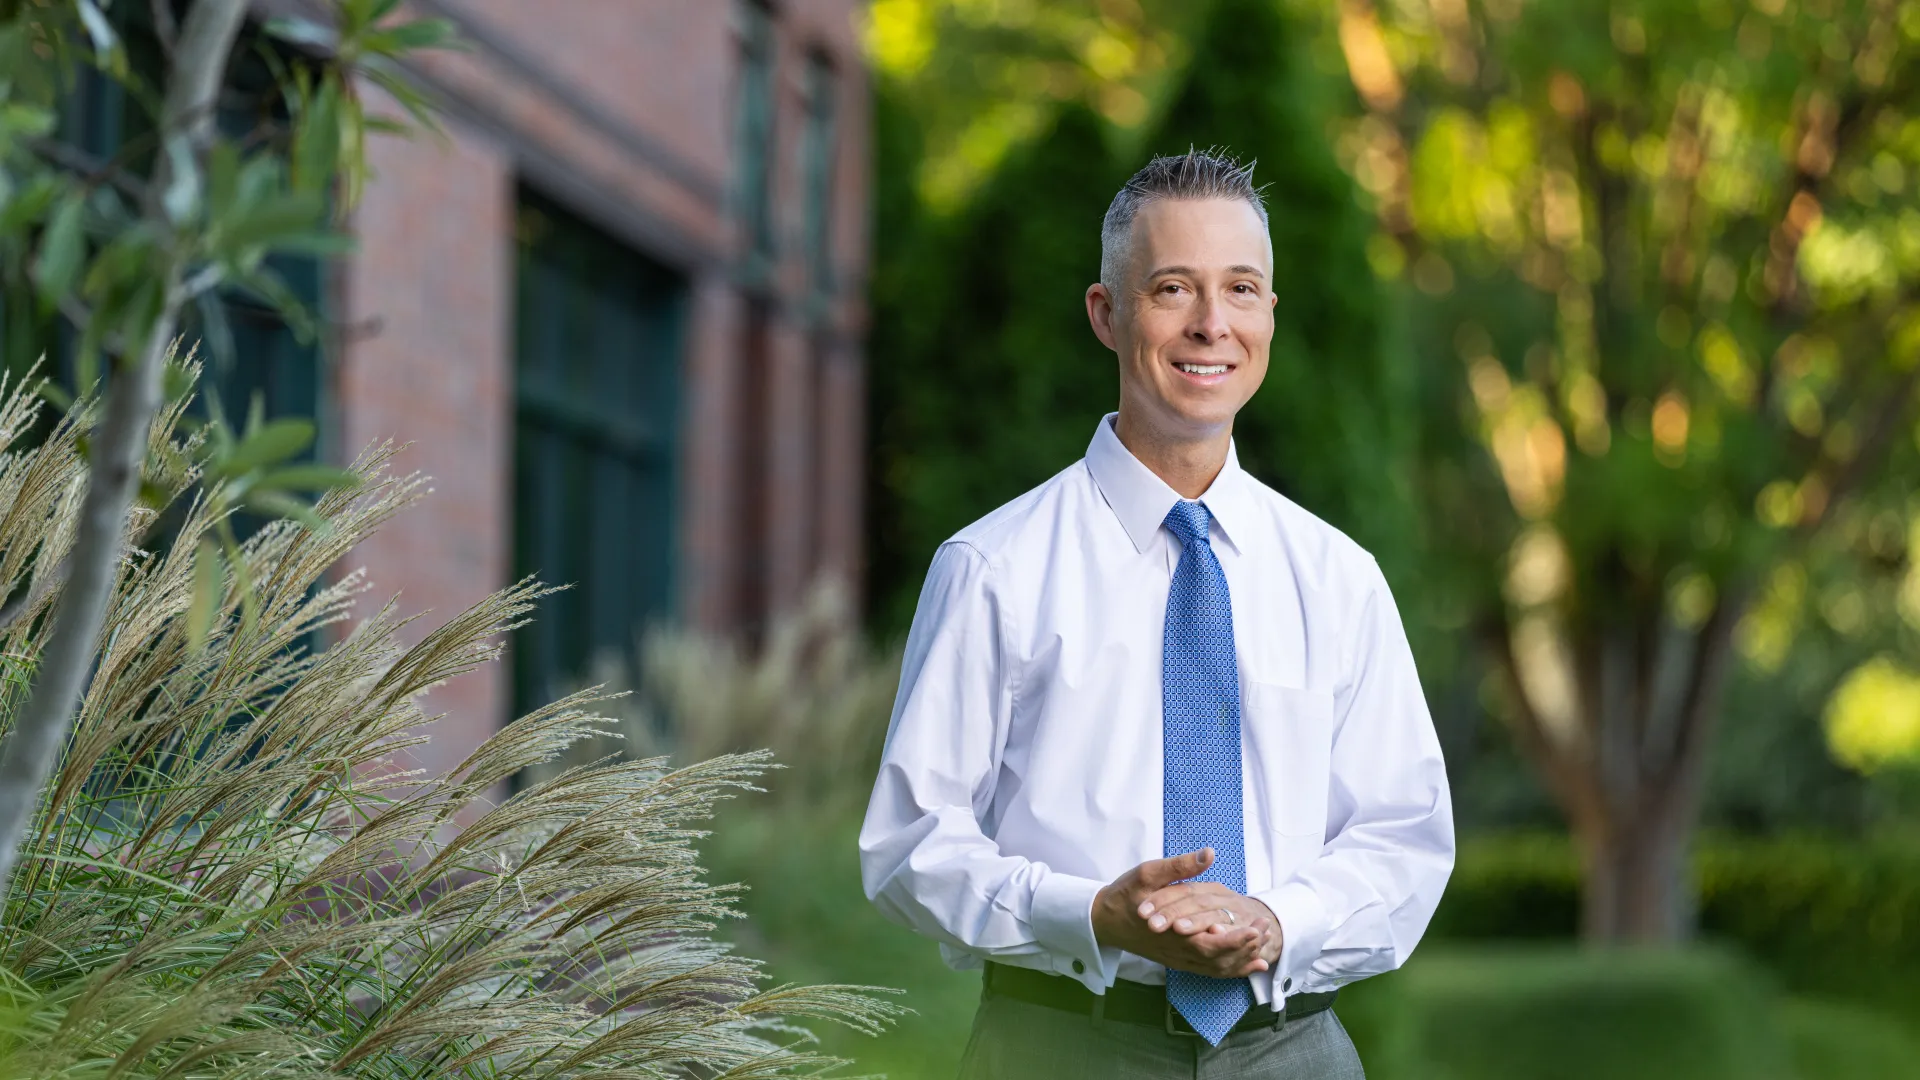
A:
x,y
1323,427
980,79
1663,268
987,377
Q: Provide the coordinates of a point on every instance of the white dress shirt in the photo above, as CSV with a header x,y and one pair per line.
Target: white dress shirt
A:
x,y
1022,769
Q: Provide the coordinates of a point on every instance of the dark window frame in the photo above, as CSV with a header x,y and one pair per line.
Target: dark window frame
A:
x,y
756,134
599,357
820,153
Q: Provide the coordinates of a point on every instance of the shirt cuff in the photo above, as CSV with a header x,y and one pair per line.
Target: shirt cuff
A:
x,y
1063,926
1304,926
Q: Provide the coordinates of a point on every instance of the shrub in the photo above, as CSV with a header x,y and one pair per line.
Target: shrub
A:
x,y
1833,1042
234,873
1531,1012
1828,917
814,695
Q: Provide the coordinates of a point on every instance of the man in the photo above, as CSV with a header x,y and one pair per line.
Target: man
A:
x,y
1159,756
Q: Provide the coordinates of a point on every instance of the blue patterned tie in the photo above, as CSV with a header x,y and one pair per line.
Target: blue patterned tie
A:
x,y
1200,687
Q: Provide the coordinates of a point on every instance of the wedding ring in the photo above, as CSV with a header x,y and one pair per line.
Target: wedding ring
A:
x,y
1231,921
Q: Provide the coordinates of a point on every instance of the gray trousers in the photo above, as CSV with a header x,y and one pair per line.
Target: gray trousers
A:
x,y
1015,1040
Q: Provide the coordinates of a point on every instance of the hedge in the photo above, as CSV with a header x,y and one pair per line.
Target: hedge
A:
x,y
1830,918
1524,1011
1554,1011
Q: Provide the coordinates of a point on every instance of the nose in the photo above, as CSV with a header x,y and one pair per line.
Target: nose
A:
x,y
1209,322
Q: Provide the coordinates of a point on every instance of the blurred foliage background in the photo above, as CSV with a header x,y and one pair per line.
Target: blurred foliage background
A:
x,y
1598,327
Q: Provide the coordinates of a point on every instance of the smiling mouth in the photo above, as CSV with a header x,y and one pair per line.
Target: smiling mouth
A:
x,y
1204,369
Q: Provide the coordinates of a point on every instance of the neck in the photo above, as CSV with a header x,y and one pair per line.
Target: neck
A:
x,y
1186,463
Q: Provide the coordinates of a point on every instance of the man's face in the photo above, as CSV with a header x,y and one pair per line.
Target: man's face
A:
x,y
1194,318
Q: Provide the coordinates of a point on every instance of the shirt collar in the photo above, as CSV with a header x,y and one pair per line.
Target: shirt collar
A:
x,y
1140,499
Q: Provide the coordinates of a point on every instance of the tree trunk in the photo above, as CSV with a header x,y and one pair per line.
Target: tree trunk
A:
x,y
1635,888
1629,767
119,448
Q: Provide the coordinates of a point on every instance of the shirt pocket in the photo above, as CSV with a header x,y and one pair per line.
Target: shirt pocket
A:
x,y
1290,734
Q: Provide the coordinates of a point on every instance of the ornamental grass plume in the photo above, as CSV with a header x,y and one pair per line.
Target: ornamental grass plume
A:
x,y
233,874
815,694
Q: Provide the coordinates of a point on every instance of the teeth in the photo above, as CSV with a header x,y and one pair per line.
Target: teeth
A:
x,y
1203,369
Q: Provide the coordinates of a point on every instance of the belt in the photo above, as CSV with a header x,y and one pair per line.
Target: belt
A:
x,y
1131,1002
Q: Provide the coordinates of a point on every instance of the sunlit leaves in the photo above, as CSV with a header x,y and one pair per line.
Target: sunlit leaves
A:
x,y
983,75
1873,719
1716,202
1846,265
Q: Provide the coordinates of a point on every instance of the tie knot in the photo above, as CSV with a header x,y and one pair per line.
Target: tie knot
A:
x,y
1188,520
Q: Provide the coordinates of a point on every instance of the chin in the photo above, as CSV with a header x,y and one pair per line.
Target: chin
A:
x,y
1202,418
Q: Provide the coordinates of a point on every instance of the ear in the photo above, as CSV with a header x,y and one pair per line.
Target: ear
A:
x,y
1100,314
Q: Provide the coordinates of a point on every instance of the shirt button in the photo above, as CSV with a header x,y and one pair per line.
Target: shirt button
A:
x,y
1079,968
1286,985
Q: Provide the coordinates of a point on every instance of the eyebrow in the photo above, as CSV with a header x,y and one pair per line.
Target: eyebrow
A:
x,y
1188,271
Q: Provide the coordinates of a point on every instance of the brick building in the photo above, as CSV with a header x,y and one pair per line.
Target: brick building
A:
x,y
617,313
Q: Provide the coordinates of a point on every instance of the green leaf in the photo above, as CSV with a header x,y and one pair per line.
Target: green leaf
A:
x,y
280,505
215,330
20,118
242,579
387,125
62,250
308,478
293,213
303,32
272,443
402,90
140,314
151,495
223,179
322,245
410,36
56,395
127,260
316,145
86,357
30,203
260,180
206,594
271,289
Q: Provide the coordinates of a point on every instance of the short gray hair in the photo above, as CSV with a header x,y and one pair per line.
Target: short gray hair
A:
x,y
1197,174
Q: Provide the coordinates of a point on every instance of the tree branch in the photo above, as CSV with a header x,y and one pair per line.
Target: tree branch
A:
x,y
119,445
92,169
164,26
1677,781
1571,784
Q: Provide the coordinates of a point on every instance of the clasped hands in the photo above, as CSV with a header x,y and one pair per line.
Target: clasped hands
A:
x,y
1155,911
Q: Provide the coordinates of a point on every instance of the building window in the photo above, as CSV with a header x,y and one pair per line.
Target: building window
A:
x,y
820,149
597,391
754,125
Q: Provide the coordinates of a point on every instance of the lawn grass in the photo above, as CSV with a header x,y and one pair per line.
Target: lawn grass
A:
x,y
809,920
